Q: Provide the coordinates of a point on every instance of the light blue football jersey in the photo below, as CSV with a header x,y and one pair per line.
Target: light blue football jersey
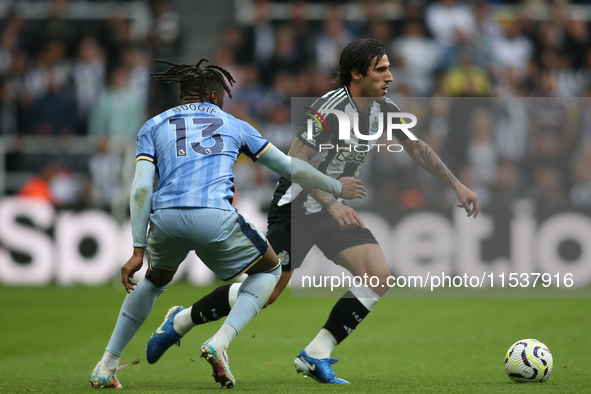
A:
x,y
194,147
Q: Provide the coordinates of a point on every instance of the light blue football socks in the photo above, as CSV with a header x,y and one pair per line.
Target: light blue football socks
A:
x,y
252,296
134,311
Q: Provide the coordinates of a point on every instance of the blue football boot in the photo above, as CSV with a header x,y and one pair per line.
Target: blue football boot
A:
x,y
164,337
318,369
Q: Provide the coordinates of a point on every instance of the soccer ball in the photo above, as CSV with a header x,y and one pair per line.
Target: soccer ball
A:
x,y
528,360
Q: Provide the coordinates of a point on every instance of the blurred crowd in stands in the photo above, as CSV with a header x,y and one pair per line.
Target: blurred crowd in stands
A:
x,y
528,135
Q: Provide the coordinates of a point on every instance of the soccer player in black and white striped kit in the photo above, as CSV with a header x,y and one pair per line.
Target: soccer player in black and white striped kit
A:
x,y
300,218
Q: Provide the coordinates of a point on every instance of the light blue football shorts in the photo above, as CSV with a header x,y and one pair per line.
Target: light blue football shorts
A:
x,y
225,241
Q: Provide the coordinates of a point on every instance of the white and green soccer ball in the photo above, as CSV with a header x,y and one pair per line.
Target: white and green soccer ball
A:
x,y
528,360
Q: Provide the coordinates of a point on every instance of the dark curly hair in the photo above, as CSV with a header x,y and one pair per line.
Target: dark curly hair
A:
x,y
194,79
358,55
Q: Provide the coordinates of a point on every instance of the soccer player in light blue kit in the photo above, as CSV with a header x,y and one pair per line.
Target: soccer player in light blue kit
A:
x,y
193,147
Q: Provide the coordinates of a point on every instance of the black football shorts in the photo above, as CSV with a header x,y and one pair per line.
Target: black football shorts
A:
x,y
292,241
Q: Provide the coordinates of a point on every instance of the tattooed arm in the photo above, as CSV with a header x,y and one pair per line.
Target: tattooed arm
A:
x,y
425,157
346,216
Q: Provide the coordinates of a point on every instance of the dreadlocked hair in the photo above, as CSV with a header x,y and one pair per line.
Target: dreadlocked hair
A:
x,y
194,79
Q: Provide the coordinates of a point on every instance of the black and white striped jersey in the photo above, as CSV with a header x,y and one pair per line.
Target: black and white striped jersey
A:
x,y
345,161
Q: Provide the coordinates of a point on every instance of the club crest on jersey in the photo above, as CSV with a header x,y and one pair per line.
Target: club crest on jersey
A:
x,y
374,124
283,257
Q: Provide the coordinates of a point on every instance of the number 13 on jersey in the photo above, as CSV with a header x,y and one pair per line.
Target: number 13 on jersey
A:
x,y
198,135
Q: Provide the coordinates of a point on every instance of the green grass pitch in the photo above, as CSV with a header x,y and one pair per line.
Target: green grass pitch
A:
x,y
52,337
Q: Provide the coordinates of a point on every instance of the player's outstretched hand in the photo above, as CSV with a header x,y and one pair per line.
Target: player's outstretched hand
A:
x,y
346,216
352,188
468,200
131,267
